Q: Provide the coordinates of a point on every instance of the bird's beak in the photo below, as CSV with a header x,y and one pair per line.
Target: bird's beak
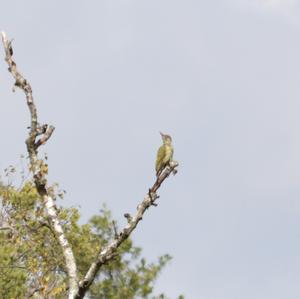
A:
x,y
162,134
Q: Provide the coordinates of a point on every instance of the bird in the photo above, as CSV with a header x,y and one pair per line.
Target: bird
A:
x,y
164,154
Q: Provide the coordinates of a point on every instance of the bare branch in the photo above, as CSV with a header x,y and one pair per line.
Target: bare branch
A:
x,y
38,136
110,251
38,168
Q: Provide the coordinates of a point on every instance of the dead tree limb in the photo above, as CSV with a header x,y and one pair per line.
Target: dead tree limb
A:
x,y
38,167
109,252
39,135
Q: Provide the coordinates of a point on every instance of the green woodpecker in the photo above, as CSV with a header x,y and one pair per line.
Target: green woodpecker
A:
x,y
164,154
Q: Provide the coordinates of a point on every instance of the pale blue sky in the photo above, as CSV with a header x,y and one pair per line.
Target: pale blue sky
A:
x,y
222,77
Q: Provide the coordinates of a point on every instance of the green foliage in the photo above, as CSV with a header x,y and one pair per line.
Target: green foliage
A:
x,y
31,261
29,254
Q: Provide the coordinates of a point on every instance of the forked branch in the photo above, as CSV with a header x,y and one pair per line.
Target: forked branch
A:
x,y
110,251
39,135
37,166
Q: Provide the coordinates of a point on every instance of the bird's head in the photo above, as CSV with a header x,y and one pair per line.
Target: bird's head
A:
x,y
167,139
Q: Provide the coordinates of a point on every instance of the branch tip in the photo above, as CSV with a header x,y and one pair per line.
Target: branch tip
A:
x,y
128,217
40,171
3,34
115,228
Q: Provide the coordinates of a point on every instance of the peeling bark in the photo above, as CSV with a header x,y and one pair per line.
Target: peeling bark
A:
x,y
39,175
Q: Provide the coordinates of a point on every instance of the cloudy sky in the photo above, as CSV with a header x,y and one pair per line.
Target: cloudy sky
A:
x,y
222,77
